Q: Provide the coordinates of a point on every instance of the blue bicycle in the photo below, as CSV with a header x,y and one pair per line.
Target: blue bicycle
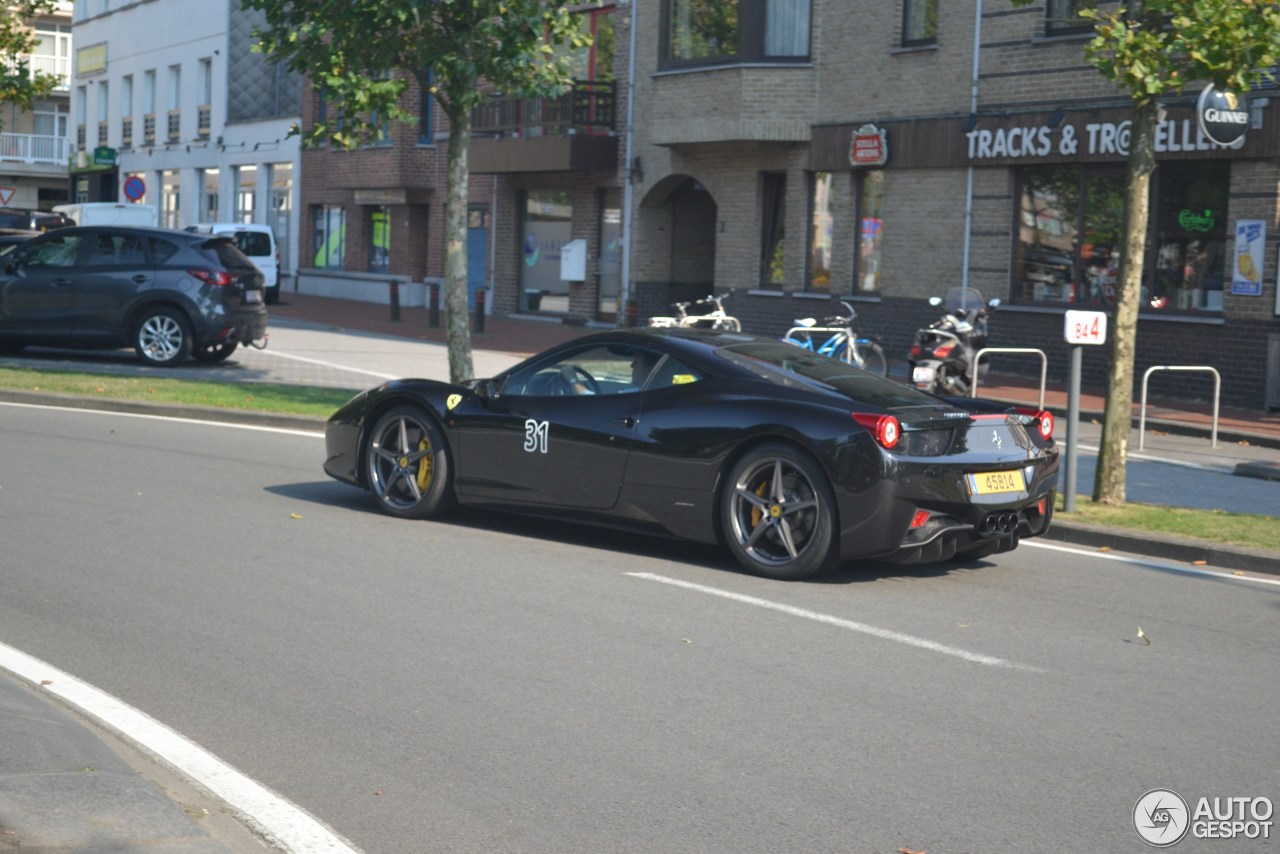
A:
x,y
840,338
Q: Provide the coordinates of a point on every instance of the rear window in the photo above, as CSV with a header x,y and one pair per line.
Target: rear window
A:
x,y
253,243
162,250
9,219
221,251
789,365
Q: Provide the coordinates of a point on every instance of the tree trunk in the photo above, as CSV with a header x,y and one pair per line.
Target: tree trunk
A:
x,y
1109,483
456,321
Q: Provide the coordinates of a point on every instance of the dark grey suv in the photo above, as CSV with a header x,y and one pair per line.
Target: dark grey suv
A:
x,y
169,294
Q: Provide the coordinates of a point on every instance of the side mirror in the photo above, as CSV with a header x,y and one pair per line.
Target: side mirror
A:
x,y
995,303
935,301
486,389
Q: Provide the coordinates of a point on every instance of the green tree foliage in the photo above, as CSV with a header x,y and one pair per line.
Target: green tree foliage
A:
x,y
1150,49
363,53
18,84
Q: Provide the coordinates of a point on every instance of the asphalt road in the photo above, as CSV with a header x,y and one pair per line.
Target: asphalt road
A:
x,y
495,684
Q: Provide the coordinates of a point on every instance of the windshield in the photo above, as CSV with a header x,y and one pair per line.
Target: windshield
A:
x,y
963,299
794,367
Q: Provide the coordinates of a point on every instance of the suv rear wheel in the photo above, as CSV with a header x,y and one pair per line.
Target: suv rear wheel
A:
x,y
162,337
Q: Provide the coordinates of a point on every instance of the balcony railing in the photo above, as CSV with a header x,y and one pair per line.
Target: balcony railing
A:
x,y
588,107
126,132
204,121
58,66
149,129
33,148
175,125
103,133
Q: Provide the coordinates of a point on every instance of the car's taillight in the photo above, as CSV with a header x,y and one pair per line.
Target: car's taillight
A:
x,y
1043,419
885,428
217,278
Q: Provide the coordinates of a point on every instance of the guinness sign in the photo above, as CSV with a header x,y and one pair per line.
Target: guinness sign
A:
x,y
1223,116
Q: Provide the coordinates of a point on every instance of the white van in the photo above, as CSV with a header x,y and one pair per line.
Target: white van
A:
x,y
256,241
110,213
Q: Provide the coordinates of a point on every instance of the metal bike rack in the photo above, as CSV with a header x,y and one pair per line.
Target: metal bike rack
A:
x,y
1217,388
977,360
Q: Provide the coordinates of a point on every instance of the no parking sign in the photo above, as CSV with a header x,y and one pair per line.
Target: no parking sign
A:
x,y
134,188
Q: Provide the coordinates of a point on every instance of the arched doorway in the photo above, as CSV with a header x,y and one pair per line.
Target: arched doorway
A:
x,y
678,222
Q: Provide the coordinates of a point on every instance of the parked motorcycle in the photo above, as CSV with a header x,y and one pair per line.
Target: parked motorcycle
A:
x,y
942,356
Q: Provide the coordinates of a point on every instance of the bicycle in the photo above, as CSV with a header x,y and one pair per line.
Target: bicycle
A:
x,y
865,352
716,318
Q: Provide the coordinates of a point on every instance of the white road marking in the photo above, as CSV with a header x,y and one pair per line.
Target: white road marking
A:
x,y
883,634
1151,564
333,365
285,825
286,431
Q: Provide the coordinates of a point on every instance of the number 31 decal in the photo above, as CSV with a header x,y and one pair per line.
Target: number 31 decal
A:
x,y
535,436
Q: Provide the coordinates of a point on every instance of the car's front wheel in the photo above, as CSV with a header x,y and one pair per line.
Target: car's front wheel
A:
x,y
778,514
162,337
409,465
218,352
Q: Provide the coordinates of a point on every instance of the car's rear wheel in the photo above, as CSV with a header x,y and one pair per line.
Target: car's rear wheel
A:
x,y
214,352
778,513
162,337
409,465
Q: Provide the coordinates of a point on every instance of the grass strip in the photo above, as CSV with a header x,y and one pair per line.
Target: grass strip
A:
x,y
248,397
1218,526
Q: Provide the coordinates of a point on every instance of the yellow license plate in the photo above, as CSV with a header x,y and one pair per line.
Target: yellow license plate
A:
x,y
989,482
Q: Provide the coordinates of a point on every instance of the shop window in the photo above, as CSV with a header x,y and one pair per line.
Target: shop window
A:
x,y
546,226
870,231
1070,235
702,33
821,230
1062,17
919,22
329,235
773,235
379,231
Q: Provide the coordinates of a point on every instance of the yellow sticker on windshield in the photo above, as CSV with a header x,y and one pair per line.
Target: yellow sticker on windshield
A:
x,y
683,379
453,400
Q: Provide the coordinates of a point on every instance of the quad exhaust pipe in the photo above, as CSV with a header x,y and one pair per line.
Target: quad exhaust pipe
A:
x,y
999,523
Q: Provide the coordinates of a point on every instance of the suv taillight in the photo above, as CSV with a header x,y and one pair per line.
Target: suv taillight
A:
x,y
217,278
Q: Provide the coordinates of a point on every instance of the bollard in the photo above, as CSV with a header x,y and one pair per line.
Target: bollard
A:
x,y
480,310
435,306
395,300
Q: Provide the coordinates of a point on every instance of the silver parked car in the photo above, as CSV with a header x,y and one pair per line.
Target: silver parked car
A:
x,y
168,294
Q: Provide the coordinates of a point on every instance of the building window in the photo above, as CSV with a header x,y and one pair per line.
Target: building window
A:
x,y
282,210
870,231
773,218
246,189
698,32
379,239
1062,17
329,235
919,22
426,135
546,225
170,199
821,230
208,195
1070,234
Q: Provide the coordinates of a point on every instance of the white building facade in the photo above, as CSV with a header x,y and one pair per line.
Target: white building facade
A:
x,y
172,107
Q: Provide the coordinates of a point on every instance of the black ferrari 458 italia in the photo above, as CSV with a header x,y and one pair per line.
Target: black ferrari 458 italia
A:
x,y
794,461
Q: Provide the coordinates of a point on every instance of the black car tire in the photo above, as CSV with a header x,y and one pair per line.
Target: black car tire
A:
x,y
408,464
218,352
777,513
162,337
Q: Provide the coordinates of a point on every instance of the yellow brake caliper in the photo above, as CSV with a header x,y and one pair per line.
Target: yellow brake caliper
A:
x,y
424,467
756,513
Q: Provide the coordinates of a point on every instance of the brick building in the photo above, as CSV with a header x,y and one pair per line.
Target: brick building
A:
x,y
1003,173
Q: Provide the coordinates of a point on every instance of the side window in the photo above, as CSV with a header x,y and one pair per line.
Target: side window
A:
x,y
116,250
57,252
614,369
161,250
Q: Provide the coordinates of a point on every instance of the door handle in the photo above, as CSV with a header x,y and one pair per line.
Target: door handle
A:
x,y
140,278
629,421
60,283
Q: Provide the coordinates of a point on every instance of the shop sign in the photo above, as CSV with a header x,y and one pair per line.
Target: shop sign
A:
x,y
869,147
1251,236
104,156
1090,139
91,60
1195,221
1223,117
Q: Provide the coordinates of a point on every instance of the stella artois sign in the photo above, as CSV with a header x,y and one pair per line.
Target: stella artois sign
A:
x,y
869,147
